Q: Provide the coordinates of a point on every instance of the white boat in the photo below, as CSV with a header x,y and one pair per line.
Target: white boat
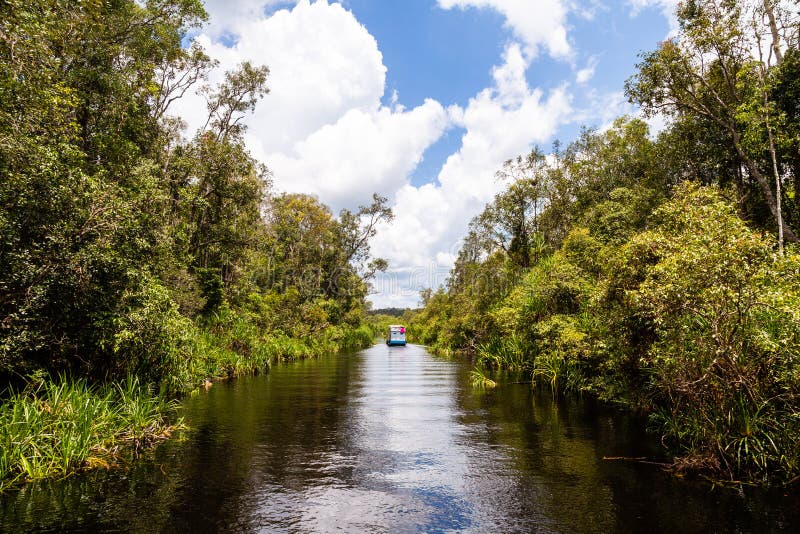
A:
x,y
397,335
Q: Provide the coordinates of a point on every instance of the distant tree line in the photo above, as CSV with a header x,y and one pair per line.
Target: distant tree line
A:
x,y
393,312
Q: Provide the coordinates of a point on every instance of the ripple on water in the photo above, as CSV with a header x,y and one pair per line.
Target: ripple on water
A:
x,y
392,440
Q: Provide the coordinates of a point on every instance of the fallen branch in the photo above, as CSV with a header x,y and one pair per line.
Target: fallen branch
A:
x,y
792,481
641,460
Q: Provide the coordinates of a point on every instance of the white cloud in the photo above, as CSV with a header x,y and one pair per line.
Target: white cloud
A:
x,y
363,152
322,129
322,64
500,122
585,74
226,16
537,24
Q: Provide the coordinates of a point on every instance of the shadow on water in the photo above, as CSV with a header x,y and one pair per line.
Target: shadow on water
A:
x,y
393,439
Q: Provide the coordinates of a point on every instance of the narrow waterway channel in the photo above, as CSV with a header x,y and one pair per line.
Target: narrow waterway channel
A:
x,y
393,440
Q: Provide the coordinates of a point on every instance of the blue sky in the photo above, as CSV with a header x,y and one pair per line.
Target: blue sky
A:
x,y
449,54
422,100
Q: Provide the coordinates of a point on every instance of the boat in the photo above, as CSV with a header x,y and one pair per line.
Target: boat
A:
x,y
397,335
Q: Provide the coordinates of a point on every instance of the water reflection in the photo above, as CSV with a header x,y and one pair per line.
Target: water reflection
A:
x,y
392,439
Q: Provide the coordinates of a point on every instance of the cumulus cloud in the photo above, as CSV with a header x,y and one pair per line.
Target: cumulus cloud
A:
x,y
322,64
226,16
537,24
364,151
500,122
322,129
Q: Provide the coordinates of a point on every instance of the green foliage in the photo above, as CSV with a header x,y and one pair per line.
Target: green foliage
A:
x,y
209,279
232,343
725,340
145,336
510,352
55,426
80,189
353,339
659,296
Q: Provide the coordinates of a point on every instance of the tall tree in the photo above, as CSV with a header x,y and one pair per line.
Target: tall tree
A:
x,y
510,222
80,199
708,72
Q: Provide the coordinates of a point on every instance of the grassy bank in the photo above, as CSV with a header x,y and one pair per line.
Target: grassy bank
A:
x,y
235,346
56,426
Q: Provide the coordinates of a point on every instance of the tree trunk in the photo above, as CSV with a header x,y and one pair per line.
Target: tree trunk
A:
x,y
752,168
777,179
773,26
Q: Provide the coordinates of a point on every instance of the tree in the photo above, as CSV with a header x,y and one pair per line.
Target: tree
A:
x,y
217,188
614,179
317,255
237,95
509,222
302,244
176,75
81,221
707,72
356,230
786,97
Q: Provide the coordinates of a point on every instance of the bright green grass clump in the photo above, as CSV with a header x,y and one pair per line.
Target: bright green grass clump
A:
x,y
478,379
57,426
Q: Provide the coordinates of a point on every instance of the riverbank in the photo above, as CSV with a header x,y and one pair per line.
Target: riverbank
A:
x,y
55,426
692,321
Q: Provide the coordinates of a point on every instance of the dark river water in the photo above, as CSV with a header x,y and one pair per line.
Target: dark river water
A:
x,y
393,440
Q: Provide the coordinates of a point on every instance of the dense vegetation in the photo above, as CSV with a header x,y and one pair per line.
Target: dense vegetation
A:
x,y
140,261
659,272
131,250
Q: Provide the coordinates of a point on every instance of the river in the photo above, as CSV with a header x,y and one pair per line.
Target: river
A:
x,y
394,440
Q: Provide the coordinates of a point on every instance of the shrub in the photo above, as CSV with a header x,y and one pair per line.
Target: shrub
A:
x,y
723,361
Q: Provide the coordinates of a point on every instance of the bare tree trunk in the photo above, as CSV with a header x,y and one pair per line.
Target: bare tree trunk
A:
x,y
773,26
764,91
777,185
752,168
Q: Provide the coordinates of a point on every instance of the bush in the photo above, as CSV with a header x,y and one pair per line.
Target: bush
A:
x,y
723,360
147,337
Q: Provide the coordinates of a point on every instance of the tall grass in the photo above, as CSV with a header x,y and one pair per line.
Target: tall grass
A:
x,y
56,426
234,346
478,379
357,338
559,372
507,352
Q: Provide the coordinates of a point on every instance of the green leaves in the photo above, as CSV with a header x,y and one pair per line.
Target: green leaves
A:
x,y
724,354
717,74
